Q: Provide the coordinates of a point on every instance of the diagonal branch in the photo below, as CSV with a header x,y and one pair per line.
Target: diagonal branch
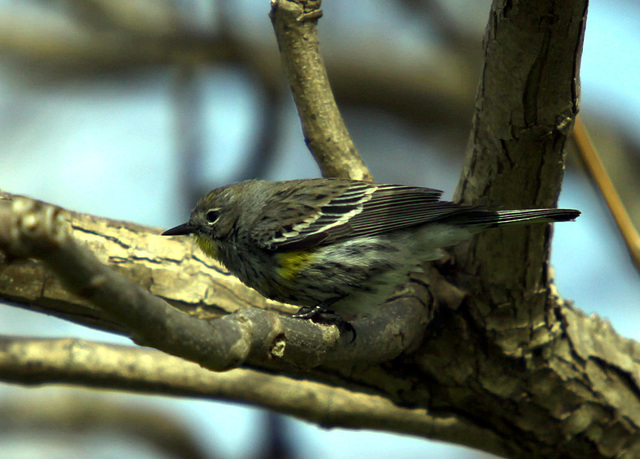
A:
x,y
324,130
599,175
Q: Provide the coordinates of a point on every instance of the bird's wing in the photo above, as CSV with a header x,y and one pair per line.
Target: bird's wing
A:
x,y
320,212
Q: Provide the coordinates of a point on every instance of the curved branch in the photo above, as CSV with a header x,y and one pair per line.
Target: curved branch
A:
x,y
30,228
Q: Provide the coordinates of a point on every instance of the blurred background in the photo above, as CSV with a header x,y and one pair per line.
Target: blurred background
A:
x,y
131,109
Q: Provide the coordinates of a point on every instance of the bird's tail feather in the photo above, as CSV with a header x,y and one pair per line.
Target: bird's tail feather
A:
x,y
513,217
484,217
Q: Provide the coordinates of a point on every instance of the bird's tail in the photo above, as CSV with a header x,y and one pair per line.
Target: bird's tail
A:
x,y
492,218
514,217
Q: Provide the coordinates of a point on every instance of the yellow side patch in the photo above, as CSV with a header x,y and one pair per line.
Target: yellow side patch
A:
x,y
291,263
207,246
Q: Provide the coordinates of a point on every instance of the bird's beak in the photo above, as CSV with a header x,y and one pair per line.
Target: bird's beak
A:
x,y
185,228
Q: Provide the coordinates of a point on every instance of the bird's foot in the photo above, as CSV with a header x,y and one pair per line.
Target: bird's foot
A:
x,y
319,315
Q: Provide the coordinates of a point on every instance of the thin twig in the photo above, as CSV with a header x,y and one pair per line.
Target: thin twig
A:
x,y
589,155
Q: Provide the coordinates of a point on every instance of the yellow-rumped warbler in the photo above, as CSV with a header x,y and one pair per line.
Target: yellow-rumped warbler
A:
x,y
335,244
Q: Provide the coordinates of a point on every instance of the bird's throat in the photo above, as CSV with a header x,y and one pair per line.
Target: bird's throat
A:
x,y
207,246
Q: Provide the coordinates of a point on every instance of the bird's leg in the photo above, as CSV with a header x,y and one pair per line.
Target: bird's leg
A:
x,y
312,312
321,315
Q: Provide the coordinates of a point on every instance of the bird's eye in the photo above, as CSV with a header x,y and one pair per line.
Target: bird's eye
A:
x,y
212,216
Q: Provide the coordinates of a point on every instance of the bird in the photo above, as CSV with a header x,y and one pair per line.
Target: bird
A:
x,y
332,246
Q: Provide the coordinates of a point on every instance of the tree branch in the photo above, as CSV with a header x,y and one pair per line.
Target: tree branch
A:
x,y
324,130
519,370
532,358
78,362
526,104
31,228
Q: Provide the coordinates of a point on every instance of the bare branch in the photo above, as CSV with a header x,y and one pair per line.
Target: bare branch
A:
x,y
98,365
324,130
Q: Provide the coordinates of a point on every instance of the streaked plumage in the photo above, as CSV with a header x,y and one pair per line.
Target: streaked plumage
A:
x,y
335,242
